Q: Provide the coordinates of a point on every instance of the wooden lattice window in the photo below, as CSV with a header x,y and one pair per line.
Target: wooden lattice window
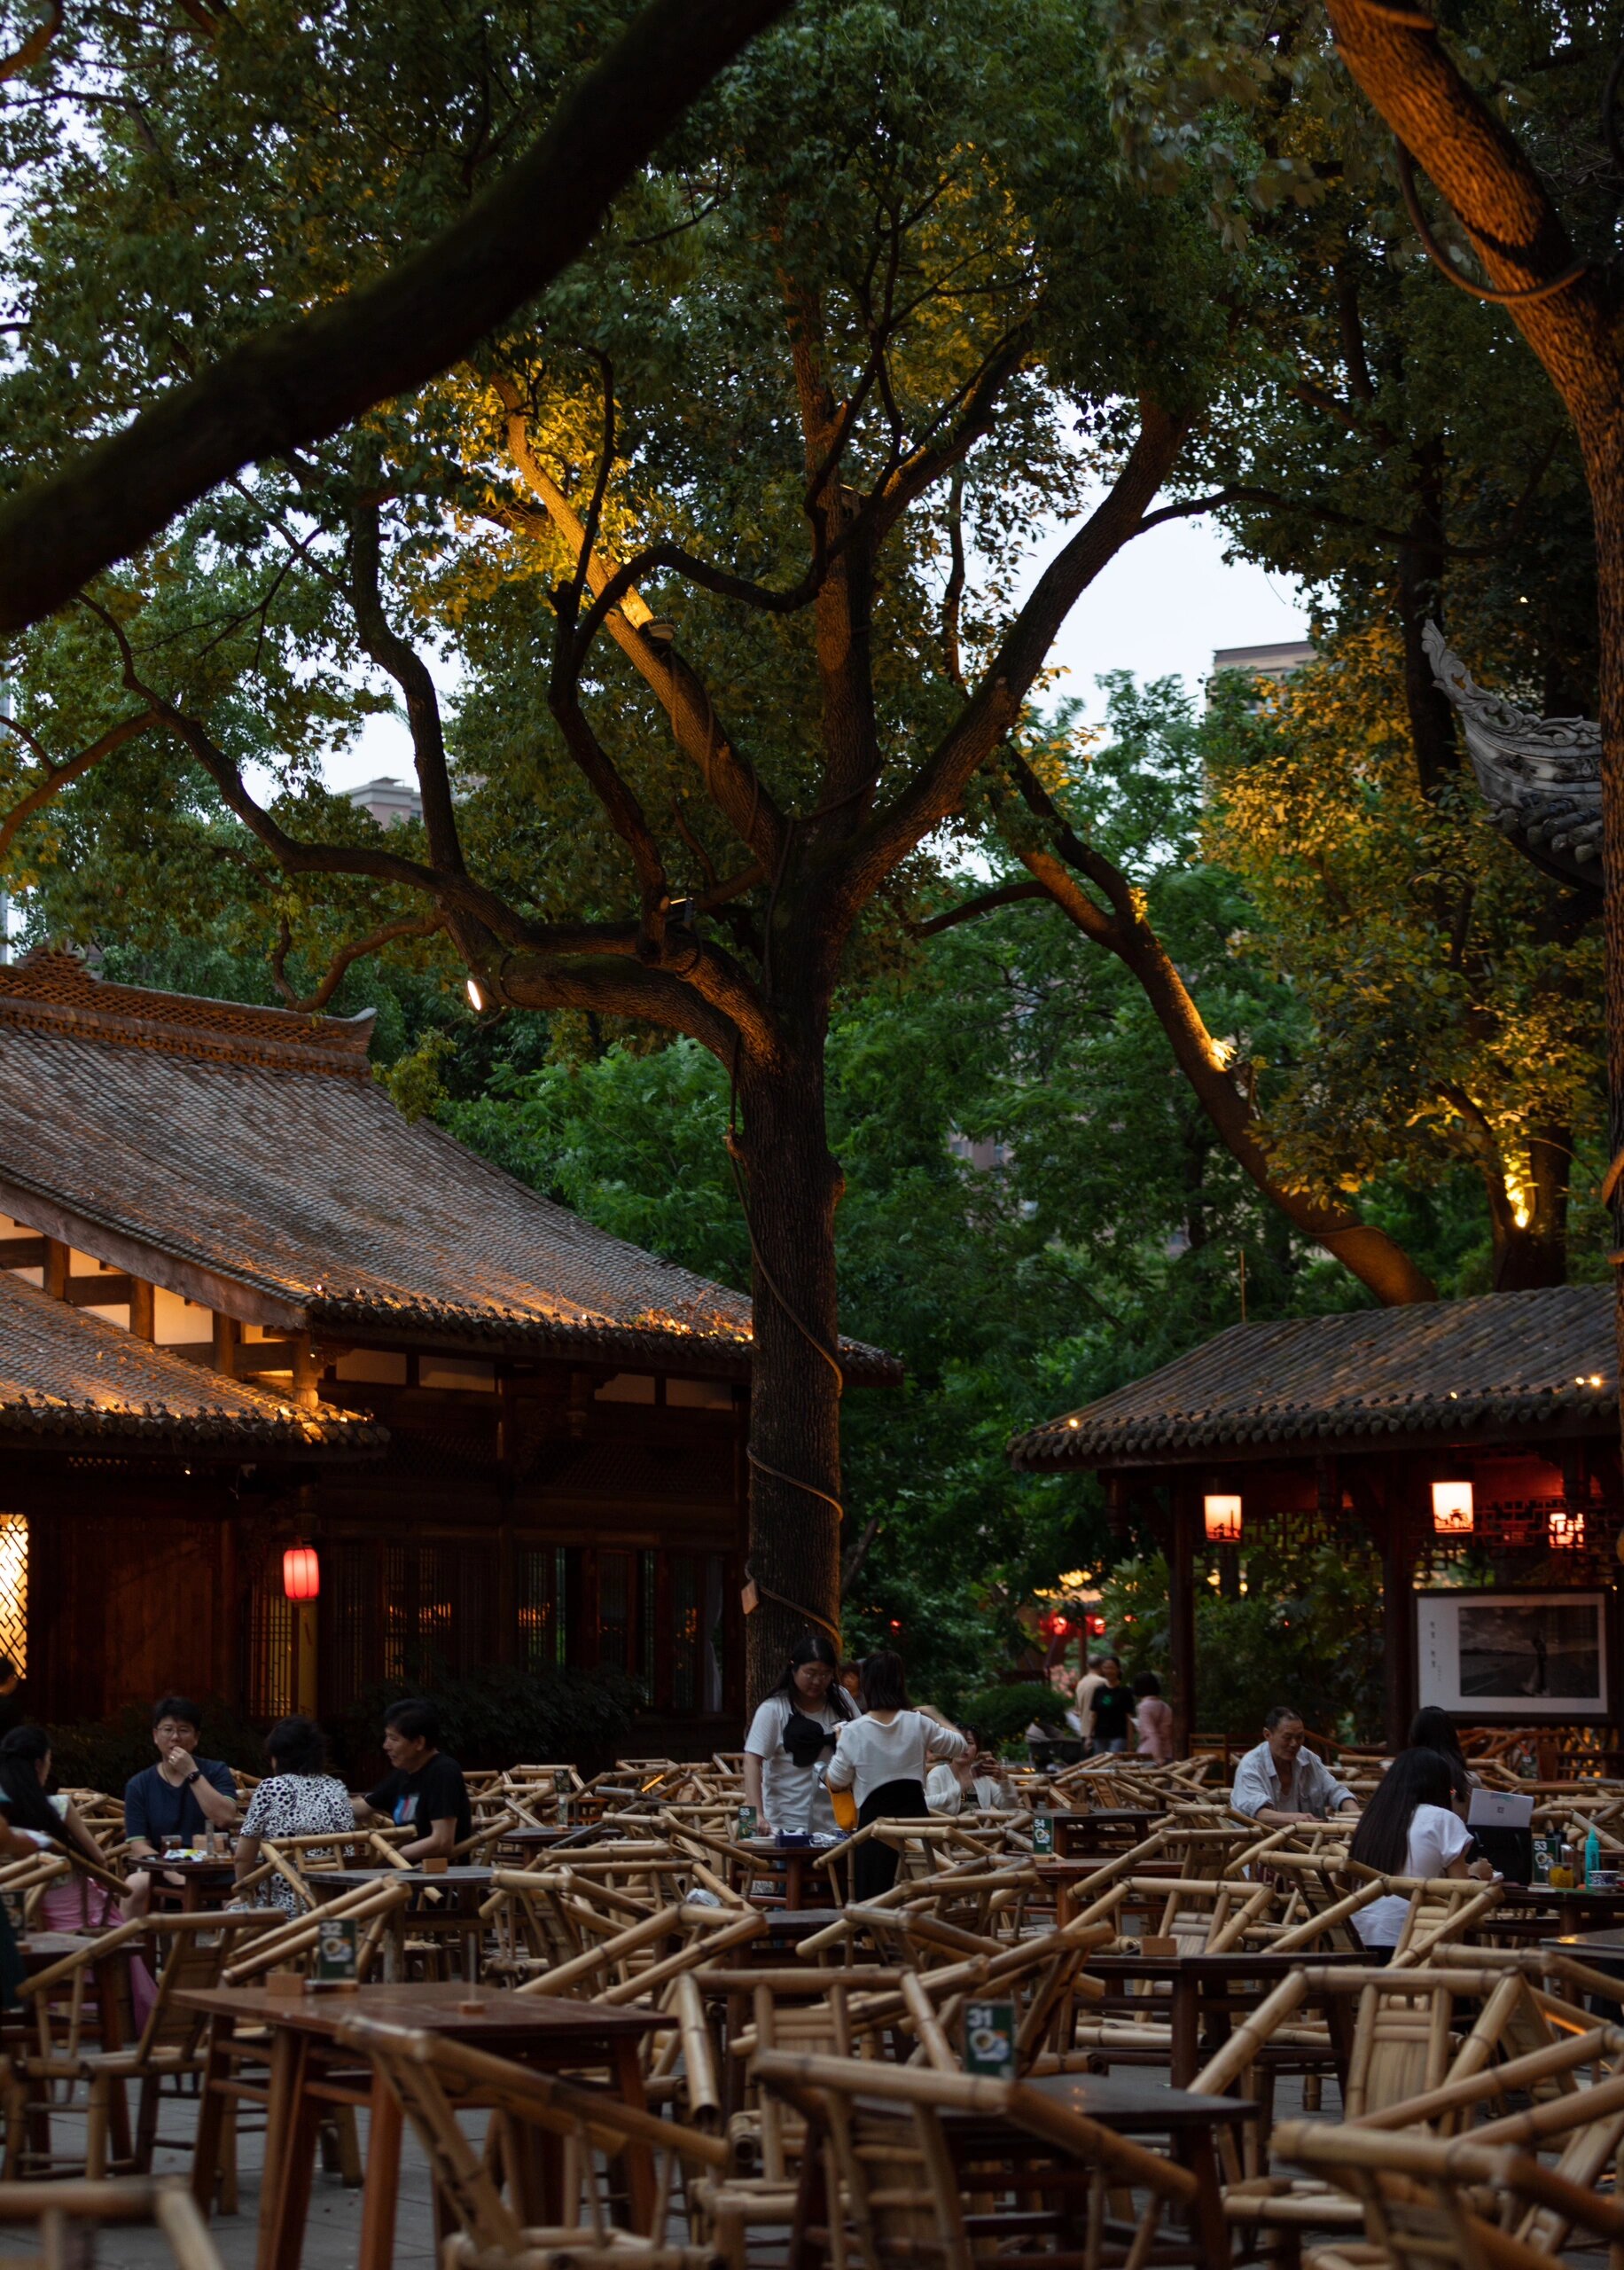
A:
x,y
14,1590
542,1588
270,1648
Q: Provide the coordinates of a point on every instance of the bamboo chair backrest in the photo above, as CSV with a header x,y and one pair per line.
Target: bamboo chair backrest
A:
x,y
196,1952
1402,2042
812,2028
66,2215
1441,1913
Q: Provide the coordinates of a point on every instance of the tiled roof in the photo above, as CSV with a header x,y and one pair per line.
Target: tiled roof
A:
x,y
66,1375
1452,1369
254,1146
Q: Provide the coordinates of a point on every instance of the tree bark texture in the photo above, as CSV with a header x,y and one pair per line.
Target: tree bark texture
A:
x,y
792,1188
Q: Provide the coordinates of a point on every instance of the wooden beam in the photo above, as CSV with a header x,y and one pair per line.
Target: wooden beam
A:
x,y
193,1280
110,1292
22,1253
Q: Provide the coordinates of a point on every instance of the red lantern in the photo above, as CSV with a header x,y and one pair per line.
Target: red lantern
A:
x,y
302,1574
1097,1627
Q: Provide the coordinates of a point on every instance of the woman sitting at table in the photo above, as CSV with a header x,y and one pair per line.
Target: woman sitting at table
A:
x,y
791,1739
298,1797
51,1823
883,1761
1409,1828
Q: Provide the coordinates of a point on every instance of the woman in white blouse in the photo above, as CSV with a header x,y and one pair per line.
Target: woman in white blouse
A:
x,y
883,1760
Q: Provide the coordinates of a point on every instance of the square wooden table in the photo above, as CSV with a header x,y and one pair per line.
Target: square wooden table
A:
x,y
463,1887
310,2068
795,1862
206,1882
1216,1988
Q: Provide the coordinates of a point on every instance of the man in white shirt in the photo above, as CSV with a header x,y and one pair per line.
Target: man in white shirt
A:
x,y
1280,1782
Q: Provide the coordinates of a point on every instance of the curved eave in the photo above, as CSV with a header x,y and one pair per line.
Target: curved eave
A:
x,y
1413,1424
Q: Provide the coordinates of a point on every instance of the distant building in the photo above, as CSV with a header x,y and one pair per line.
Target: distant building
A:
x,y
388,801
1284,659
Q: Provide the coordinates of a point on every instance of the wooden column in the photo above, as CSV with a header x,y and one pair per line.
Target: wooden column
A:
x,y
1181,1612
1397,1612
227,1334
56,1268
307,1372
142,1320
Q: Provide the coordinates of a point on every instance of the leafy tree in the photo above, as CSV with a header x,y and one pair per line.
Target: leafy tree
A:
x,y
884,303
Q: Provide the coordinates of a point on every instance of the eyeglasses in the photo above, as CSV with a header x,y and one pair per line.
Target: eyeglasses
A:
x,y
170,1732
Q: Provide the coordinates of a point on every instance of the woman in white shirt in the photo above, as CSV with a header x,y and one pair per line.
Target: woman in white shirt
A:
x,y
1409,1828
792,1740
975,1781
883,1761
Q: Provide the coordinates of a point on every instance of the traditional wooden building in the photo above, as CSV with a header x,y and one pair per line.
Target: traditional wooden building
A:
x,y
543,1462
1474,1438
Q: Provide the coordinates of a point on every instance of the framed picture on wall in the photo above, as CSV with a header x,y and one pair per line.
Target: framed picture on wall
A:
x,y
1515,1657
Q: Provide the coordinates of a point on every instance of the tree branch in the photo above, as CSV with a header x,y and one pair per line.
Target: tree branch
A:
x,y
33,49
301,381
972,909
73,768
385,647
423,926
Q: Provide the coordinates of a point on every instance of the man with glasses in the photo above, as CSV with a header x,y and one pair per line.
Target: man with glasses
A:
x,y
179,1800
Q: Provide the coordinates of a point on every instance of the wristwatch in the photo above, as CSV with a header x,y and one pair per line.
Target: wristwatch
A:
x,y
196,1774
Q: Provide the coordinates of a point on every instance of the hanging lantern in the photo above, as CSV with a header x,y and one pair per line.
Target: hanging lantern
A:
x,y
1222,1518
1053,1624
1452,1511
1566,1530
302,1574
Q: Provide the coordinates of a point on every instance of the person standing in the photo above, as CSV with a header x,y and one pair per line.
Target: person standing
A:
x,y
423,1790
1114,1709
792,1740
1087,1686
883,1761
1152,1720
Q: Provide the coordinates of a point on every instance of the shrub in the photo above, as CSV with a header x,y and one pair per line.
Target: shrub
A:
x,y
1004,1713
504,1716
103,1753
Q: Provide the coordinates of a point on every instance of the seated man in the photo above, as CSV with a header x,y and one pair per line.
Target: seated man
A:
x,y
1281,1781
177,1801
425,1790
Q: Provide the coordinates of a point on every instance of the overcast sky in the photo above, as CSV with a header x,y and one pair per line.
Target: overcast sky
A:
x,y
1158,610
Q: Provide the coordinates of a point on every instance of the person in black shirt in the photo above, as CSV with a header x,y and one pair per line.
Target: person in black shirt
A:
x,y
424,1790
1113,1709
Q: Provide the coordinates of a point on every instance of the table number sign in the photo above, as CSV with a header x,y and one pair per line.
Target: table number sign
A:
x,y
989,2041
337,1952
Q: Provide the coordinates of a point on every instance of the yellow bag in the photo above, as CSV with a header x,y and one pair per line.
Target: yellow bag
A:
x,y
845,1807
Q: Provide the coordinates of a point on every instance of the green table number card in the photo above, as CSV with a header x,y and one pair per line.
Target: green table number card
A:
x,y
336,1950
989,2041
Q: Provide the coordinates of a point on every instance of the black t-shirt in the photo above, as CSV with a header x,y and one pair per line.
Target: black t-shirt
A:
x,y
1113,1707
434,1792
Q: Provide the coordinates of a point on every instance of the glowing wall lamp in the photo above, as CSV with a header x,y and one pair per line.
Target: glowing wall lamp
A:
x,y
1452,1514
1566,1530
1222,1517
302,1574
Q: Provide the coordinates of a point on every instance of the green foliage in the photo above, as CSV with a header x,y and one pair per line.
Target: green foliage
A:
x,y
502,1715
104,1754
1004,1713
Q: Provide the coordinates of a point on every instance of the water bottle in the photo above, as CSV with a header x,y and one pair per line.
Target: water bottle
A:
x,y
1592,1857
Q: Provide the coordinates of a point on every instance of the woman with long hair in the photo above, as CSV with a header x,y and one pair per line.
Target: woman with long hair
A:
x,y
883,1761
1409,1828
1432,1728
792,1740
47,1821
298,1797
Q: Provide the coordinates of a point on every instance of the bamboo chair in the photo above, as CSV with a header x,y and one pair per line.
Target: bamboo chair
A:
x,y
64,2217
1422,2200
431,2076
897,2192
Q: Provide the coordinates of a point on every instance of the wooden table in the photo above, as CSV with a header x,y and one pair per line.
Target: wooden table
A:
x,y
1213,1987
456,1915
1105,1831
1577,1910
794,1860
203,1883
1130,2107
524,1843
310,2068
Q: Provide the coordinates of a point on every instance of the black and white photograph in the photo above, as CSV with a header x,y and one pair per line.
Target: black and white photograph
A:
x,y
1521,1655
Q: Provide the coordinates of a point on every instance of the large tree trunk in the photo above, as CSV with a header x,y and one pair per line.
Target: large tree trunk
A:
x,y
1420,579
792,1187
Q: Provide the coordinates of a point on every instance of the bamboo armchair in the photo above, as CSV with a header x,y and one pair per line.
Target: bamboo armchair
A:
x,y
66,2216
430,2075
1423,2201
896,2191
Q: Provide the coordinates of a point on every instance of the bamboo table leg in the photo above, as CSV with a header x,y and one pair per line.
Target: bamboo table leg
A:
x,y
383,2180
291,2122
639,2158
1185,2031
211,2116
